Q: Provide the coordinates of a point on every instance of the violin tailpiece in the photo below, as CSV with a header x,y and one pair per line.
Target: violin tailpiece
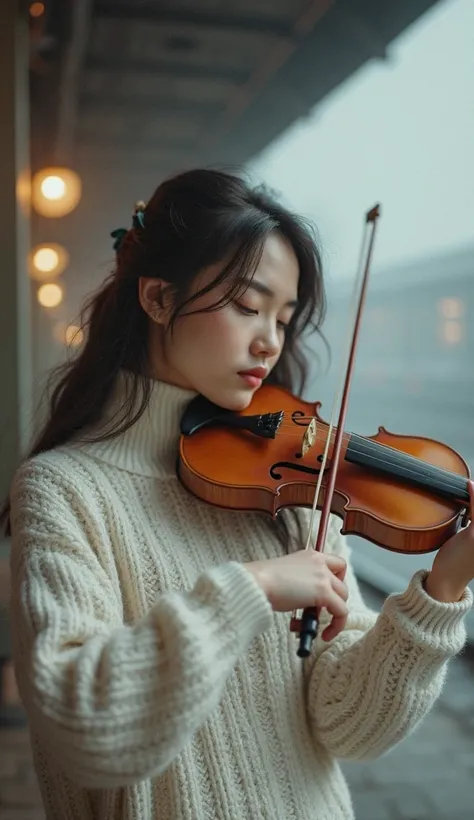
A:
x,y
265,425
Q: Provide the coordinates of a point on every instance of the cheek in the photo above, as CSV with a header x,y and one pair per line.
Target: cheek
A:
x,y
223,324
210,332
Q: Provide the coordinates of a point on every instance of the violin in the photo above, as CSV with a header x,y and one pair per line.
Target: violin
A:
x,y
404,493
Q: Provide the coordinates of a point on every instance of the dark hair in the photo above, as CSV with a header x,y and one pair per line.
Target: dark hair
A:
x,y
193,220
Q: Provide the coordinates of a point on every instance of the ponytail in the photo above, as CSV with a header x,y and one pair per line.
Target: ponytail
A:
x,y
80,388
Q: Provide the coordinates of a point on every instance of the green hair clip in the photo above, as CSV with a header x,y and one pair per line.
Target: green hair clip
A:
x,y
119,235
138,221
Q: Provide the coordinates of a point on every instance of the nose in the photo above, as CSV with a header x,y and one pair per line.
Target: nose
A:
x,y
266,344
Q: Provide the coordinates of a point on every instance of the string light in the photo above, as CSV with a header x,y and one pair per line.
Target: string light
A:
x,y
50,295
47,261
36,9
55,191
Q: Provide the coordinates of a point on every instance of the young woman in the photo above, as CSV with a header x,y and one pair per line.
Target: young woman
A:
x,y
151,631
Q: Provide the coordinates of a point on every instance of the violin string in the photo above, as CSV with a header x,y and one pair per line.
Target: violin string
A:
x,y
424,473
453,481
353,439
401,455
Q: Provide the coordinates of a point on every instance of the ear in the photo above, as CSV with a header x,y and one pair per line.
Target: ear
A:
x,y
156,299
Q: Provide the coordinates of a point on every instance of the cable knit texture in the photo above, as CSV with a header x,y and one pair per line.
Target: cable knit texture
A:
x,y
158,683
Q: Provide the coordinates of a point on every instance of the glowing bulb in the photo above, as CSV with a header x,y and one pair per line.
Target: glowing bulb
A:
x,y
36,9
50,295
74,336
53,187
46,260
55,191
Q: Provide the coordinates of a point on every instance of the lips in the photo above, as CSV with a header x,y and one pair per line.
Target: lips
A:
x,y
258,372
253,378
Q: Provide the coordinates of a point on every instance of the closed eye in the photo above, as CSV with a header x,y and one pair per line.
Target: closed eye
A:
x,y
245,310
252,312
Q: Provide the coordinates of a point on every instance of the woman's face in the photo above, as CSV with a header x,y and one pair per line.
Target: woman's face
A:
x,y
212,353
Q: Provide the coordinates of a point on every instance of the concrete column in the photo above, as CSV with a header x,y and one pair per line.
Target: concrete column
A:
x,y
15,288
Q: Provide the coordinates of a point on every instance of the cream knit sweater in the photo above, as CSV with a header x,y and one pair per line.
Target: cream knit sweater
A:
x,y
158,683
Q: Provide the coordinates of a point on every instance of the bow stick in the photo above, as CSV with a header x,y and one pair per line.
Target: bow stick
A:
x,y
307,626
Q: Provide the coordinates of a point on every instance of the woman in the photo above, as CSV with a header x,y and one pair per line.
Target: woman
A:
x,y
151,631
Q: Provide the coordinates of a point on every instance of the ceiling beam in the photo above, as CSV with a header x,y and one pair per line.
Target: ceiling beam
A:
x,y
166,69
200,19
154,106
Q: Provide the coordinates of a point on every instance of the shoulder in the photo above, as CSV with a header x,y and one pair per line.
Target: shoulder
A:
x,y
69,469
53,469
51,487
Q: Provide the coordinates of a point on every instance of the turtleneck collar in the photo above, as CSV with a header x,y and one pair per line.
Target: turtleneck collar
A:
x,y
150,446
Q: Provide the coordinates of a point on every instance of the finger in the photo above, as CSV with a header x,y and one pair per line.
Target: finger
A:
x,y
341,574
335,627
334,604
470,488
339,587
336,564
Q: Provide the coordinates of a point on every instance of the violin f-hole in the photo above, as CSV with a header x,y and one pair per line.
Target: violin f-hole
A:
x,y
297,416
301,468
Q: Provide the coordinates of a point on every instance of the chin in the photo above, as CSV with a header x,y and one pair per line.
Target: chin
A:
x,y
234,400
241,402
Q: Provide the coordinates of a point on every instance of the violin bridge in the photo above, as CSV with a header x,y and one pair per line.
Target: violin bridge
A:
x,y
309,437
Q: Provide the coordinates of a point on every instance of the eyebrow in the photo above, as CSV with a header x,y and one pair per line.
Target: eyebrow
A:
x,y
259,287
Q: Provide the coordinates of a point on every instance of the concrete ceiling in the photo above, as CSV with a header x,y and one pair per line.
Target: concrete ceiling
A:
x,y
165,84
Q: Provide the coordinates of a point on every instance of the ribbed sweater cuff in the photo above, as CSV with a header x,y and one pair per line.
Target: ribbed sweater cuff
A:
x,y
428,621
242,597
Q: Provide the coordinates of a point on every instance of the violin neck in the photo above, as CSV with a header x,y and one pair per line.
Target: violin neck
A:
x,y
406,468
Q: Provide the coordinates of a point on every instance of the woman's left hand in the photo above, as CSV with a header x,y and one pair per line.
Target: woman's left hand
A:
x,y
453,567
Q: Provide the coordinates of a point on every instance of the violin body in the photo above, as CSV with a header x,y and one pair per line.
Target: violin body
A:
x,y
404,493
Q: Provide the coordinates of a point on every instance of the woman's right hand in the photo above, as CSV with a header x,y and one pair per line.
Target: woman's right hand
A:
x,y
305,579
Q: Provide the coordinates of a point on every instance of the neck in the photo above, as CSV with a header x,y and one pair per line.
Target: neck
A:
x,y
150,446
404,467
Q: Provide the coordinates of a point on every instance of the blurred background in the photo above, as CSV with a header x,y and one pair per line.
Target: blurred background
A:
x,y
337,105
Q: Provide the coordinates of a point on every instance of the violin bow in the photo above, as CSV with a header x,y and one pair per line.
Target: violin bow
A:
x,y
307,626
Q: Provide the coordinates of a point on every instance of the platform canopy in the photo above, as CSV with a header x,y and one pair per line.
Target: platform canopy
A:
x,y
178,82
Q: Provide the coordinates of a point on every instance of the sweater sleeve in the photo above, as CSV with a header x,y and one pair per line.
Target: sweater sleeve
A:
x,y
372,685
114,703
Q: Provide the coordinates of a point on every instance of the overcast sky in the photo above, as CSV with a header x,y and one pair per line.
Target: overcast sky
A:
x,y
399,132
